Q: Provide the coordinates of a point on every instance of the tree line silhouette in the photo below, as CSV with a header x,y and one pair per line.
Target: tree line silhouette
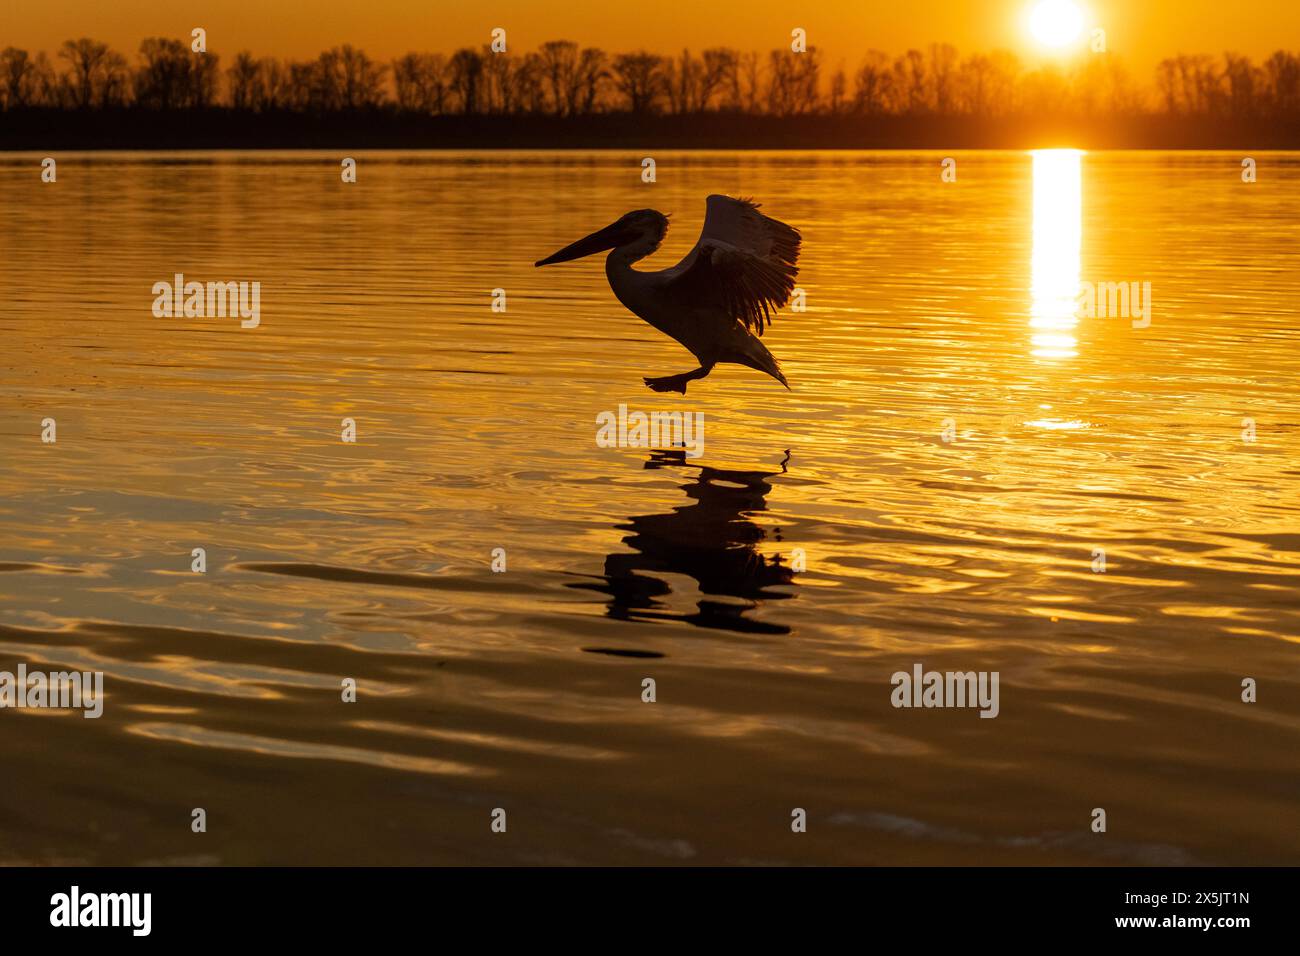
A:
x,y
562,80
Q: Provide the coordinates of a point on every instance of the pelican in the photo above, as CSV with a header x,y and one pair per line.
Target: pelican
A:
x,y
727,288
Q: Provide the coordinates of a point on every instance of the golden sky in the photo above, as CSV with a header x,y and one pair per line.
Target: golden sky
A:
x,y
1141,31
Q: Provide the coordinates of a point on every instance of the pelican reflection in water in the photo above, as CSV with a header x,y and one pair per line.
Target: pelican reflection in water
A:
x,y
711,540
713,302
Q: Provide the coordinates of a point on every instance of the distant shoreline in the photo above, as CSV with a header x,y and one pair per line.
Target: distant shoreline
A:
x,y
130,128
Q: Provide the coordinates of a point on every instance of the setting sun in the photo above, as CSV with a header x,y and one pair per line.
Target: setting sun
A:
x,y
1056,23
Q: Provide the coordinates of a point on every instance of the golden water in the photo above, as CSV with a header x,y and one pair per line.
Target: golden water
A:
x,y
931,306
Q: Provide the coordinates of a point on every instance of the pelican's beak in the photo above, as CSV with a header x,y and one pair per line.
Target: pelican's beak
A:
x,y
599,241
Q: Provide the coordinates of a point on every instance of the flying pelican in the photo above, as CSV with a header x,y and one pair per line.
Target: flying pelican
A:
x,y
727,288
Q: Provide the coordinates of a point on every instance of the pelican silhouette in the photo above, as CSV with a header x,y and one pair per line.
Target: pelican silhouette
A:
x,y
727,288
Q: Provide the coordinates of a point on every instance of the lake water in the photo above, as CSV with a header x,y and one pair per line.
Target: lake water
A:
x,y
956,452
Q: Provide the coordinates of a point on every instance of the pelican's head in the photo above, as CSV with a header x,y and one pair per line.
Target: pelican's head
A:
x,y
640,231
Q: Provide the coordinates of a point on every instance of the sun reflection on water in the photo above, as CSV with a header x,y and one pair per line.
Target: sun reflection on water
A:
x,y
1058,233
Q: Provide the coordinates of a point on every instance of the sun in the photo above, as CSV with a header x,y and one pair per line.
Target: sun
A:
x,y
1056,23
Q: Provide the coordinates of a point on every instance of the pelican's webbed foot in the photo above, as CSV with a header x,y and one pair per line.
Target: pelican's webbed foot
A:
x,y
668,383
677,383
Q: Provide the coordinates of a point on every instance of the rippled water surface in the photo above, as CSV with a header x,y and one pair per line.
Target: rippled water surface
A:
x,y
933,310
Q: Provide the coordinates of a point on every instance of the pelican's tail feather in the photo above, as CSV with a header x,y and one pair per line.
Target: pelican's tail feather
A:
x,y
756,356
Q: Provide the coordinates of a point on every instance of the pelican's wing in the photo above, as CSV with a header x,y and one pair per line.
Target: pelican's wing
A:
x,y
744,263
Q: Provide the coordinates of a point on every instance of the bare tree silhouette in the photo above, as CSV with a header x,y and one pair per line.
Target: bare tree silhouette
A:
x,y
909,93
